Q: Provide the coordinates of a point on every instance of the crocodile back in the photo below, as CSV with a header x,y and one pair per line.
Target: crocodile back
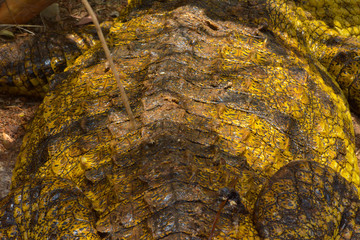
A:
x,y
222,112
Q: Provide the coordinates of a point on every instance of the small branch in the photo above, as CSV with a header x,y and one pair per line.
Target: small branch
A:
x,y
217,217
20,25
222,205
124,98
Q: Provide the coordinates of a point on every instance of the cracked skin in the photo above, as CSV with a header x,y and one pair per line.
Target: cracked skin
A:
x,y
238,100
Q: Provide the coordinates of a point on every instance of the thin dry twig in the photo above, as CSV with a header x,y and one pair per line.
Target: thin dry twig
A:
x,y
222,205
123,95
20,25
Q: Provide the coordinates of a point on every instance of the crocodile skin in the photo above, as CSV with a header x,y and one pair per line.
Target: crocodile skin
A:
x,y
29,64
242,131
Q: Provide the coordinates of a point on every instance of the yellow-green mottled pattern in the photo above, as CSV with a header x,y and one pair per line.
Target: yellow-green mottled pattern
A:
x,y
328,33
219,105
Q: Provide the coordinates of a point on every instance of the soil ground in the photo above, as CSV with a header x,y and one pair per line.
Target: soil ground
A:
x,y
15,112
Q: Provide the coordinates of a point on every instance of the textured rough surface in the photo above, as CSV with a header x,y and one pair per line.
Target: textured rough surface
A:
x,y
223,110
29,64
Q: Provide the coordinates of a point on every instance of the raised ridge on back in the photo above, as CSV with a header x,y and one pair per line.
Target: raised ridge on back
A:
x,y
236,124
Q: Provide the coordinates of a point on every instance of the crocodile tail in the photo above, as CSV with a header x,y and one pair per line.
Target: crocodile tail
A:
x,y
328,38
29,64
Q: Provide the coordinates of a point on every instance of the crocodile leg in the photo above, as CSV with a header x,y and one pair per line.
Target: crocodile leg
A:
x,y
48,207
305,200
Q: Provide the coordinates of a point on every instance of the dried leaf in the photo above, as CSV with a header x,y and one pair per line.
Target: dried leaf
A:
x,y
7,34
51,13
85,20
6,140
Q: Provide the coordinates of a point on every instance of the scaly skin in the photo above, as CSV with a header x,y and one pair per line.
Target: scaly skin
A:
x,y
218,106
328,33
29,64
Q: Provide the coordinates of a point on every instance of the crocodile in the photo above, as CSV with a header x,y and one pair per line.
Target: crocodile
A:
x,y
242,128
